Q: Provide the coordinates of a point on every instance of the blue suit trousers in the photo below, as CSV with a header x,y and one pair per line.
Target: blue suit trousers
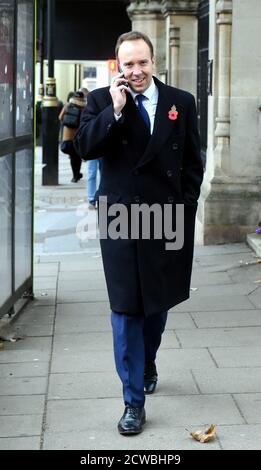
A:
x,y
136,340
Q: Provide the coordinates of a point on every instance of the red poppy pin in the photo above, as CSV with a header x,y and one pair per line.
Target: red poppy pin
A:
x,y
173,113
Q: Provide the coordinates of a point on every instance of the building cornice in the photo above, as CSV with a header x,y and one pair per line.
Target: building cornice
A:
x,y
179,7
147,7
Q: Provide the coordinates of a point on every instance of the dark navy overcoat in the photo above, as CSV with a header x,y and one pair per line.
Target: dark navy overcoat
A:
x,y
165,168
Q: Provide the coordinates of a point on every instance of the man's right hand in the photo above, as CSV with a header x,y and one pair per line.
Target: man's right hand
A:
x,y
118,93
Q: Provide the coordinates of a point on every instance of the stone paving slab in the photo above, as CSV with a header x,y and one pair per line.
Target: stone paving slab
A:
x,y
187,411
56,242
20,443
229,380
34,330
79,344
250,273
44,297
27,350
45,282
82,275
205,303
169,360
107,384
44,269
213,337
20,426
255,298
33,309
84,385
227,248
83,308
81,285
175,438
250,406
228,260
40,315
200,278
240,437
237,357
24,369
177,321
23,386
93,264
226,289
93,361
227,318
79,322
70,296
21,405
92,251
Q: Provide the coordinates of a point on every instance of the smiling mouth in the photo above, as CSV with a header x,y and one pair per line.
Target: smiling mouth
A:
x,y
138,82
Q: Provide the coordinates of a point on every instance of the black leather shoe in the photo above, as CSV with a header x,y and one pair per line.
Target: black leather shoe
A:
x,y
150,377
132,420
77,178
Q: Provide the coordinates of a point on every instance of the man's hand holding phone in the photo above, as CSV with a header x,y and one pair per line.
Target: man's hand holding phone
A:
x,y
118,89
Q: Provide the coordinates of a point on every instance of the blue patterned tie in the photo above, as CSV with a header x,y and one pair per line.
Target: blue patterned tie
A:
x,y
142,110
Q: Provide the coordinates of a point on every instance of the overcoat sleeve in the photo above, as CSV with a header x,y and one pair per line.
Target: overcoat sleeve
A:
x,y
192,168
97,121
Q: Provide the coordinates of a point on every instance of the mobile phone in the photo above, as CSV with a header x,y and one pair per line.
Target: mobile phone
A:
x,y
121,71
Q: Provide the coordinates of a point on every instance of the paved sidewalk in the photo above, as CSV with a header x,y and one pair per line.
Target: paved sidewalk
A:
x,y
59,388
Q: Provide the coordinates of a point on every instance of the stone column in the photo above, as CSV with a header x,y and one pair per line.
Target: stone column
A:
x,y
222,131
181,42
229,207
146,16
174,45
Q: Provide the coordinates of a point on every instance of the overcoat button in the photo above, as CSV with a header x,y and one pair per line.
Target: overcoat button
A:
x,y
175,146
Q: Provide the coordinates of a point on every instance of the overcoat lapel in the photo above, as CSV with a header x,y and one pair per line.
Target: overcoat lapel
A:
x,y
136,131
145,145
163,126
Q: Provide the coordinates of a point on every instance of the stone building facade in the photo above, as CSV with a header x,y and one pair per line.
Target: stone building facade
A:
x,y
212,48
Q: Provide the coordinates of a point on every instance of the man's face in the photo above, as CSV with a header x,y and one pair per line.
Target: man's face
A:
x,y
137,64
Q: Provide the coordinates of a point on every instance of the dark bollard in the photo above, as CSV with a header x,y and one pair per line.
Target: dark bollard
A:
x,y
50,136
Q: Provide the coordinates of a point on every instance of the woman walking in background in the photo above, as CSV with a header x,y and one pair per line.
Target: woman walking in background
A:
x,y
70,119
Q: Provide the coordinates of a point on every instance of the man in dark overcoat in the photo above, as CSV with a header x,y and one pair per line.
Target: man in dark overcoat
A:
x,y
147,134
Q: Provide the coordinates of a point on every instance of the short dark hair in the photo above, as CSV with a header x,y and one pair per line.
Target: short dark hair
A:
x,y
133,36
78,94
70,95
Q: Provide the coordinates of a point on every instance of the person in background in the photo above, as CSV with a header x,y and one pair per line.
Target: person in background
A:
x,y
93,169
93,166
75,100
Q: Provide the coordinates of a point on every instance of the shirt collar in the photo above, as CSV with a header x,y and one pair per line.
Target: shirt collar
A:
x,y
148,93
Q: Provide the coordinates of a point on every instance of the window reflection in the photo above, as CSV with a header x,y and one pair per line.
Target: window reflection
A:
x,y
6,68
24,89
23,215
5,227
